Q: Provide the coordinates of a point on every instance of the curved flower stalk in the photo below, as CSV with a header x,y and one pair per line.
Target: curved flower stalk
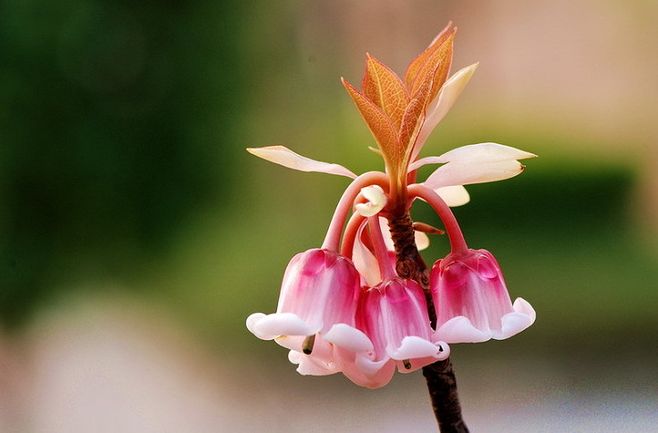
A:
x,y
362,303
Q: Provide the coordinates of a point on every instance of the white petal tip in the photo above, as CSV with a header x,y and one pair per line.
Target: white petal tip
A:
x,y
460,330
271,326
417,347
523,306
349,338
455,195
252,320
513,323
376,201
308,366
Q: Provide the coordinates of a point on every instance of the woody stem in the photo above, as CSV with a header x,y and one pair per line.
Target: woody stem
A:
x,y
440,376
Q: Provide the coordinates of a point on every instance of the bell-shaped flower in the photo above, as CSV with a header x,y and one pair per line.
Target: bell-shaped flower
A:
x,y
320,289
471,300
393,331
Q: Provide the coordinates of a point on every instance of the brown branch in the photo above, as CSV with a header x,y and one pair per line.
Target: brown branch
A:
x,y
440,376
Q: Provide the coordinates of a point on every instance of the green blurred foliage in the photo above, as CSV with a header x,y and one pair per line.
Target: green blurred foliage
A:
x,y
123,126
114,124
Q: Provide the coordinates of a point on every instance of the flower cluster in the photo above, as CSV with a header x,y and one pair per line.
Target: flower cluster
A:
x,y
344,307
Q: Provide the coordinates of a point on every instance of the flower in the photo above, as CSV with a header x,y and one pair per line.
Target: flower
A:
x,y
320,289
395,318
471,300
392,322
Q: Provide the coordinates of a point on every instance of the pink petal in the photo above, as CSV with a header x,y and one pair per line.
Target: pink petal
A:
x,y
390,313
320,287
283,156
364,260
370,374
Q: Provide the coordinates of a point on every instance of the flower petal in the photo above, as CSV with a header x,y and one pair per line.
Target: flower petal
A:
x,y
376,201
414,347
455,195
448,95
523,306
319,363
283,156
489,152
386,232
364,260
465,173
371,368
481,152
460,330
292,342
307,366
422,240
269,327
252,320
513,323
418,363
367,373
425,161
348,338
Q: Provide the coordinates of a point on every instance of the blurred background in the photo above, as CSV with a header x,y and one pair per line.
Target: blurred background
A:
x,y
136,234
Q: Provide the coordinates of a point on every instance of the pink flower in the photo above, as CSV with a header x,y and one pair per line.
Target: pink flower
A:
x,y
471,300
393,330
320,289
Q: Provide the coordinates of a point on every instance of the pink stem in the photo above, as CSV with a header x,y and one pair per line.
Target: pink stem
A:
x,y
455,235
381,252
332,239
350,234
